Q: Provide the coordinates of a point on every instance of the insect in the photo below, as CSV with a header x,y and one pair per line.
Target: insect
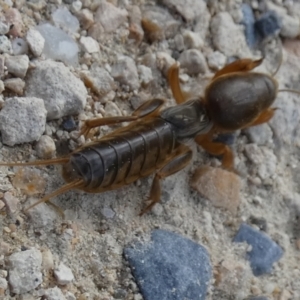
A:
x,y
153,141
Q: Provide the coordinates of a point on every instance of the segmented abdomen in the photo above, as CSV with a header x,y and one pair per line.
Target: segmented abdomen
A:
x,y
126,156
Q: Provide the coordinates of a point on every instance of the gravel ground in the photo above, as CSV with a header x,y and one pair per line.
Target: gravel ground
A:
x,y
64,62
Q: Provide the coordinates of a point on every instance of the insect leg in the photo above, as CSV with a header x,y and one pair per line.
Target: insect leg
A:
x,y
240,65
148,108
180,161
216,148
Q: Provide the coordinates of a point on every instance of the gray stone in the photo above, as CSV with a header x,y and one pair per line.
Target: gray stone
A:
x,y
125,72
5,45
170,267
228,38
99,80
63,274
54,294
25,270
42,215
35,41
193,61
65,20
160,19
17,65
260,135
63,93
19,46
58,44
89,45
189,9
22,120
110,17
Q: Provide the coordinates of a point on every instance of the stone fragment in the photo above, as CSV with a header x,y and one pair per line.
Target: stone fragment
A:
x,y
16,85
17,65
42,216
192,40
25,270
290,27
86,18
22,120
193,61
2,67
89,45
48,262
268,24
19,46
58,44
45,147
136,31
63,274
3,285
65,20
190,10
5,45
69,124
13,17
264,252
54,294
125,71
260,135
216,60
227,36
96,31
12,203
180,266
4,28
110,17
62,92
99,80
158,23
35,42
221,187
145,75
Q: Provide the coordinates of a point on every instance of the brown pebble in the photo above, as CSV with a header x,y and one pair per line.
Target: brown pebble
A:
x,y
219,186
12,227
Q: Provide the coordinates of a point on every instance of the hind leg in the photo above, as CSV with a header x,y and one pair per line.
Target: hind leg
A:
x,y
180,161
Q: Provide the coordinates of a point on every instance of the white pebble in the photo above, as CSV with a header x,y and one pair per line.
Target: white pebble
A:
x,y
35,41
45,147
63,274
89,44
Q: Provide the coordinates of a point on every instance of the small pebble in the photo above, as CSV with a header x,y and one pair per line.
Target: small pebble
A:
x,y
69,124
63,274
264,252
216,60
65,20
16,85
145,74
13,17
25,270
48,262
89,45
2,204
5,45
268,24
86,18
125,72
99,80
35,41
4,28
180,266
62,92
192,40
108,213
12,203
58,44
45,147
221,187
42,216
193,61
3,284
290,27
22,120
17,65
19,46
110,16
54,294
